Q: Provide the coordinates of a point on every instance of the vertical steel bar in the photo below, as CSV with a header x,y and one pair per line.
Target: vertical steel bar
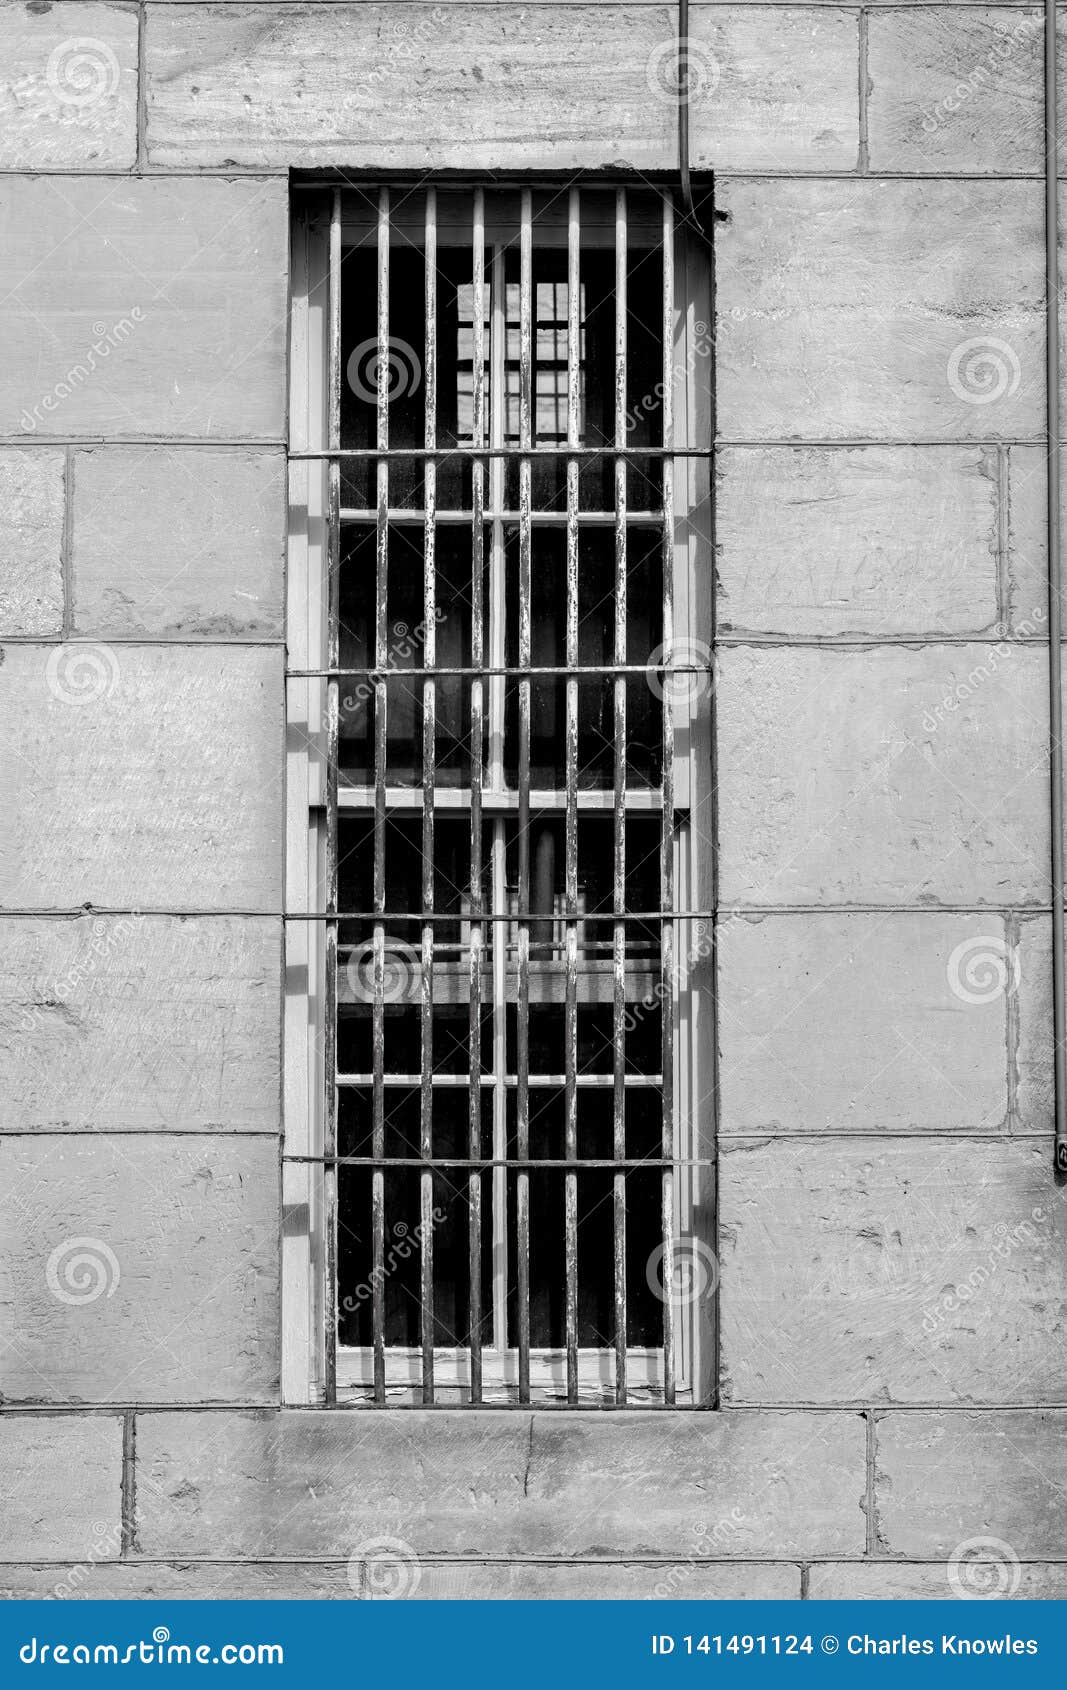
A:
x,y
477,931
380,753
574,329
619,815
333,658
667,934
497,660
429,760
522,1145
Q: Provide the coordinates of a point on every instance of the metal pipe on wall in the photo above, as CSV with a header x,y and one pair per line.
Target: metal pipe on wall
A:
x,y
1059,1002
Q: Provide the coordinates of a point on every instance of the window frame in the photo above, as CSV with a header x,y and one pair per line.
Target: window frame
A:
x,y
307,1259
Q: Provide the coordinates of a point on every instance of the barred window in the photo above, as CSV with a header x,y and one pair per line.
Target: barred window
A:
x,y
499,1043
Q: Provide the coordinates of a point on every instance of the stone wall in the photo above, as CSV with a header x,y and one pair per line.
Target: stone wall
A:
x,y
892,1244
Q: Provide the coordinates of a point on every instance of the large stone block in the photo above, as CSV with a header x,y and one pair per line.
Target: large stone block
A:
x,y
61,1486
944,1480
141,777
431,1580
864,1023
818,541
880,309
619,1486
69,95
132,1023
143,307
178,542
440,86
139,1269
1028,537
609,1581
1035,1095
478,85
31,542
138,1581
954,90
884,775
907,1271
928,1581
772,88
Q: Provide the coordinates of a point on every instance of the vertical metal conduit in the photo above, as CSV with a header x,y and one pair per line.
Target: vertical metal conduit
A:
x,y
1059,1005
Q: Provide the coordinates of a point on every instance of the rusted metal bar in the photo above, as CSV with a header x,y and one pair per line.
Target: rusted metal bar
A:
x,y
410,516
494,915
508,1162
667,836
498,867
429,761
574,329
477,932
443,1082
333,717
564,451
522,1132
381,587
618,1034
647,669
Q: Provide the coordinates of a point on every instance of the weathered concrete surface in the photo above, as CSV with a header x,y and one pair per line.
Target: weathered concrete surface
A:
x,y
1036,1041
610,1581
942,1479
446,1581
864,1023
125,1023
31,542
956,91
1028,539
480,85
907,1271
69,94
60,1486
896,776
817,541
139,1269
880,309
303,1483
143,307
352,85
141,777
773,89
925,1581
178,542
